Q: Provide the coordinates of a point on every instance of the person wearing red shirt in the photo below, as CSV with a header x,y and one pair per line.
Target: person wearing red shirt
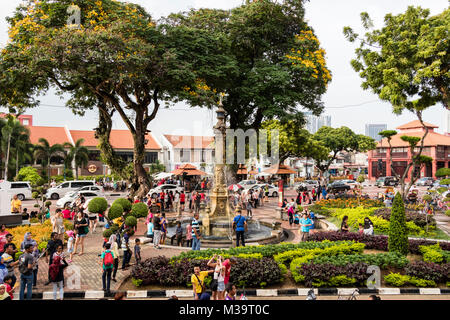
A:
x,y
182,200
66,213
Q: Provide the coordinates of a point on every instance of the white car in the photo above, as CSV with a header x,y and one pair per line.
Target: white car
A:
x,y
65,187
247,184
351,183
166,188
97,189
69,198
273,191
308,184
20,188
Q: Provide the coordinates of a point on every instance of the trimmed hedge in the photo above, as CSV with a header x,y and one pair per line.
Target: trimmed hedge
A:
x,y
377,242
98,205
398,233
139,210
115,211
383,260
126,205
399,280
429,271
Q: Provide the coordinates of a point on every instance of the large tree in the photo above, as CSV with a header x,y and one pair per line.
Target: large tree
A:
x,y
337,140
118,61
275,60
406,62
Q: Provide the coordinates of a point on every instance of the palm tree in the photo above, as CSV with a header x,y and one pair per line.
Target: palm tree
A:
x,y
78,156
45,152
24,151
13,134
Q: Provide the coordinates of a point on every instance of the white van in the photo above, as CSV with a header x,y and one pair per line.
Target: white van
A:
x,y
20,188
61,190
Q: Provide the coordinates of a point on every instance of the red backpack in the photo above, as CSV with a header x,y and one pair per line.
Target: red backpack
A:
x,y
54,268
108,260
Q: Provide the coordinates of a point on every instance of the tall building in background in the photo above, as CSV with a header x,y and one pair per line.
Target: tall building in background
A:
x,y
373,130
314,123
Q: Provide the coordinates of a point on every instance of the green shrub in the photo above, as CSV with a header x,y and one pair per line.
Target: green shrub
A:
x,y
360,179
136,282
18,254
42,246
34,220
433,253
98,205
441,190
114,228
442,172
396,279
341,280
126,205
398,235
30,174
383,260
139,210
421,282
48,203
115,211
447,212
107,233
130,221
283,270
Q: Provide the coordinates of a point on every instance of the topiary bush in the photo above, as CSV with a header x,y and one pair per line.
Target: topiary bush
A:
x,y
98,205
398,234
444,182
442,172
131,221
107,233
139,210
115,211
126,205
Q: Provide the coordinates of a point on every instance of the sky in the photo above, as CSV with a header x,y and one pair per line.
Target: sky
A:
x,y
345,101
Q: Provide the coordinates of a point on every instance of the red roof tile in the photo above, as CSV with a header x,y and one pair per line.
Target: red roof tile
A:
x,y
120,139
53,135
416,124
190,142
432,139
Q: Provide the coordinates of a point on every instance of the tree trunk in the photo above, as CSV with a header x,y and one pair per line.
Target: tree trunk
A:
x,y
17,161
7,158
74,167
140,183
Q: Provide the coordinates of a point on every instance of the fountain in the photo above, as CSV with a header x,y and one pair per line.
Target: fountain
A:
x,y
216,218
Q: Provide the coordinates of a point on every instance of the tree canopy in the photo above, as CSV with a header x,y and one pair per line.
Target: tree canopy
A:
x,y
407,61
117,61
275,62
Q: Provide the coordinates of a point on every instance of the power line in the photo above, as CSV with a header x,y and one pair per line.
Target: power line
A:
x,y
352,105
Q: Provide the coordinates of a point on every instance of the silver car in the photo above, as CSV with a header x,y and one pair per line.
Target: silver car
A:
x,y
425,181
308,184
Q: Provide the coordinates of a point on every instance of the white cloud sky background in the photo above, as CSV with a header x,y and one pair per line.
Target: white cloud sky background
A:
x,y
327,17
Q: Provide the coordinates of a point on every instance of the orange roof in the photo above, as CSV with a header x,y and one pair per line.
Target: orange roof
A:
x,y
432,139
53,135
189,169
280,169
190,142
416,124
120,139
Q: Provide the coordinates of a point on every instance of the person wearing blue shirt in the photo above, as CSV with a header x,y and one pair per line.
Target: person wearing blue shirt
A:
x,y
305,223
150,230
239,224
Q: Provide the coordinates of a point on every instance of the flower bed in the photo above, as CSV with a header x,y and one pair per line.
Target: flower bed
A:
x,y
350,203
383,260
417,217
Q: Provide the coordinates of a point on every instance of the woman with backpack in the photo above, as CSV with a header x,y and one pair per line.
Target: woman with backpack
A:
x,y
56,271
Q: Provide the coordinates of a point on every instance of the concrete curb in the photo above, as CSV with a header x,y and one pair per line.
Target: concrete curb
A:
x,y
135,294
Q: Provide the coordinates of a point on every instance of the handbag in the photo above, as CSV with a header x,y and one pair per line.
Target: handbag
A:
x,y
201,284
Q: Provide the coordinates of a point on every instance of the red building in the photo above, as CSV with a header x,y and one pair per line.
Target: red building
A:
x,y
436,146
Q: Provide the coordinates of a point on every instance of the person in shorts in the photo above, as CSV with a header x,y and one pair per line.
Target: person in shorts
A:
x,y
92,221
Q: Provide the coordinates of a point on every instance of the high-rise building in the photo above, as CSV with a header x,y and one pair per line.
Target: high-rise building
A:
x,y
373,130
314,123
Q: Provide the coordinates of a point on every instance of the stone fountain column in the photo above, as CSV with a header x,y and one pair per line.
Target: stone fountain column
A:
x,y
220,209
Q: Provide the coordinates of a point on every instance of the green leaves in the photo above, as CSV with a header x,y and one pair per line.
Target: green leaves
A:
x,y
398,234
407,61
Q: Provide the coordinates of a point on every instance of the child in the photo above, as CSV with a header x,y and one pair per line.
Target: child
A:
x,y
179,233
71,236
296,218
7,282
361,229
137,251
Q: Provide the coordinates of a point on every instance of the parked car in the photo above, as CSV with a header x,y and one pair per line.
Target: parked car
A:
x,y
71,197
96,189
273,190
351,183
65,187
166,188
337,187
20,188
386,181
247,184
308,184
425,181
